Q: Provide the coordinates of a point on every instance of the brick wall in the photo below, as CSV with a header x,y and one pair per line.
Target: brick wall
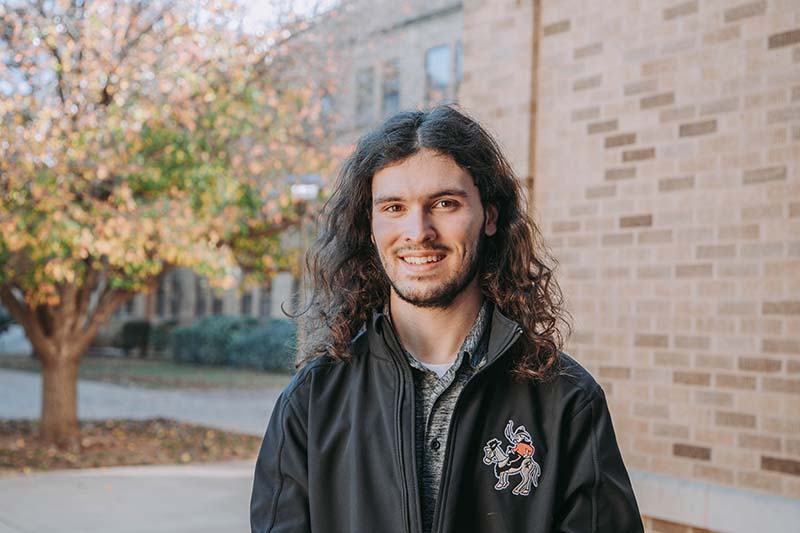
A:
x,y
667,180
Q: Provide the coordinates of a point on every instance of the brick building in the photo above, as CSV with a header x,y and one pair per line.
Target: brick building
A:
x,y
660,144
660,141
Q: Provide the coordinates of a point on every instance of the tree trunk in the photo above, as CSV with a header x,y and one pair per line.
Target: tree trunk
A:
x,y
59,421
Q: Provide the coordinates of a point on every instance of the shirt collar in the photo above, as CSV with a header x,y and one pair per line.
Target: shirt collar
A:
x,y
474,345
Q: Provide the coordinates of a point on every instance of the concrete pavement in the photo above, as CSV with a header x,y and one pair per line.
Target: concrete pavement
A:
x,y
244,411
176,499
210,498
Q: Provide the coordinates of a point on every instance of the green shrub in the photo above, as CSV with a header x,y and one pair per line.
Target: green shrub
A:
x,y
269,347
134,334
208,341
159,336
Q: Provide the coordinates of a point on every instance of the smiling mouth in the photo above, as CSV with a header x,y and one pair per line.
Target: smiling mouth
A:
x,y
422,260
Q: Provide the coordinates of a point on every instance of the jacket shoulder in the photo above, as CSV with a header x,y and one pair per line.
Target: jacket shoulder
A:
x,y
573,384
325,368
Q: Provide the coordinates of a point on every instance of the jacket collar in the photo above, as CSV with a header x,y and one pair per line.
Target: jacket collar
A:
x,y
383,340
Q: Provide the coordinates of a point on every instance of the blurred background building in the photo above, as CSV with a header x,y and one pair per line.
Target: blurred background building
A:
x,y
659,141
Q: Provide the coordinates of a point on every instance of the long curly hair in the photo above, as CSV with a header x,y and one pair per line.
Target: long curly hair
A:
x,y
348,281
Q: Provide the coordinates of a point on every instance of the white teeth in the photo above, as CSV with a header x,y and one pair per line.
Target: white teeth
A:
x,y
422,260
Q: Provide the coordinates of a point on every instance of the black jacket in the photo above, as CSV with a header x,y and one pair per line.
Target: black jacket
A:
x,y
338,454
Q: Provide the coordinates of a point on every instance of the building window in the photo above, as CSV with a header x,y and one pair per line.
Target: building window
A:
x,y
160,299
365,84
129,306
390,88
246,303
459,66
437,75
200,291
265,301
216,305
176,296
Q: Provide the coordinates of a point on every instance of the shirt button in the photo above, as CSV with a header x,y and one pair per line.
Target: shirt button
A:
x,y
435,444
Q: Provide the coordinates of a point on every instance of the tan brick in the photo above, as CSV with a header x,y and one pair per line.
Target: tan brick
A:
x,y
761,175
653,341
785,114
676,184
715,474
742,11
663,429
791,386
602,127
784,466
617,239
715,398
762,250
588,50
657,100
733,381
586,113
781,308
680,10
653,271
554,28
588,82
757,480
620,173
642,86
786,38
567,225
760,364
692,342
640,154
762,212
678,113
700,270
697,128
662,65
649,410
759,442
793,367
721,35
716,251
615,372
736,308
791,346
750,231
692,378
700,453
622,139
727,418
655,237
601,191
715,361
671,359
724,105
636,221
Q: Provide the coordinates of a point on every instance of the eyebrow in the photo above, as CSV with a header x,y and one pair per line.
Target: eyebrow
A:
x,y
461,193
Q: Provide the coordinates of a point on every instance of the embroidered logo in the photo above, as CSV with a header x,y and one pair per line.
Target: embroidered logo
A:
x,y
517,458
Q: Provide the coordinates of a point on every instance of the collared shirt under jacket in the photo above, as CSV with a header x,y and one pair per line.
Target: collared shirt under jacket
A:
x,y
338,454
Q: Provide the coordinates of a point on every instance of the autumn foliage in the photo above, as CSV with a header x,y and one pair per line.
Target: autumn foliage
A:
x,y
137,136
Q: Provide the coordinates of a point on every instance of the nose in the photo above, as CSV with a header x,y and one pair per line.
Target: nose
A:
x,y
419,227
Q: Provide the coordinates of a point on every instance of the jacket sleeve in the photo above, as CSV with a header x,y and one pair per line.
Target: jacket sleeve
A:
x,y
279,501
598,496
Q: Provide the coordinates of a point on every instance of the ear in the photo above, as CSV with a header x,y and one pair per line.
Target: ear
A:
x,y
490,220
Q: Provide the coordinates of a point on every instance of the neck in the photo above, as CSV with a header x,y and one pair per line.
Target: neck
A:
x,y
434,335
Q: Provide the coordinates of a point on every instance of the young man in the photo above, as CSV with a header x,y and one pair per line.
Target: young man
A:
x,y
435,398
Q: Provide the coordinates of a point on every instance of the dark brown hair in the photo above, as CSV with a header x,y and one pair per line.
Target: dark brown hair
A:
x,y
516,273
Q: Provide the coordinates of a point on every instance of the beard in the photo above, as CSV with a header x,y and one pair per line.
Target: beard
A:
x,y
442,296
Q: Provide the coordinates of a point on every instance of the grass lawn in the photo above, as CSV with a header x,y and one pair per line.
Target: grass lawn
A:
x,y
159,373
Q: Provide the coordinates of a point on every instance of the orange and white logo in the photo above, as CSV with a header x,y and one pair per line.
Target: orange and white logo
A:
x,y
517,458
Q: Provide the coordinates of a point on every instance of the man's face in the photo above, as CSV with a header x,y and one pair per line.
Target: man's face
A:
x,y
428,225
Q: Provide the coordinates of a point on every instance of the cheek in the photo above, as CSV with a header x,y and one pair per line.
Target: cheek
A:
x,y
381,233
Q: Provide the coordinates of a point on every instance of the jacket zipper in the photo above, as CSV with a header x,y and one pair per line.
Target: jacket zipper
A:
x,y
409,516
398,422
437,513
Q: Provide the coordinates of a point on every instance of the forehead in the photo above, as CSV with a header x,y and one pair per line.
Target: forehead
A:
x,y
421,175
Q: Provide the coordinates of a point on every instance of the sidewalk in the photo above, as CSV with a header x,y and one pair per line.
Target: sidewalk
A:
x,y
212,498
232,410
200,498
